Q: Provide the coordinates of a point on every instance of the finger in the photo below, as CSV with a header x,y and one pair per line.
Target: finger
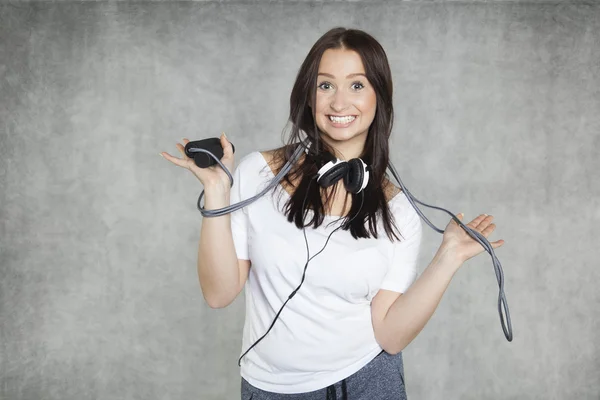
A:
x,y
497,243
459,216
181,149
489,229
485,223
174,160
475,223
226,145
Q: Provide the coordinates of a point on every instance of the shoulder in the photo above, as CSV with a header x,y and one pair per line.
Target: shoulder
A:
x,y
252,158
268,156
258,166
403,211
261,161
273,158
250,170
390,190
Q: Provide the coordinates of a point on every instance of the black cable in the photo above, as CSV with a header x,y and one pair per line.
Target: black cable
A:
x,y
308,259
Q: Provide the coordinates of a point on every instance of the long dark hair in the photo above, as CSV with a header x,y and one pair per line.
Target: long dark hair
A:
x,y
375,152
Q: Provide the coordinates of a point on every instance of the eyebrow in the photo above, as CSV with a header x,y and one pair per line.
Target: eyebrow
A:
x,y
349,76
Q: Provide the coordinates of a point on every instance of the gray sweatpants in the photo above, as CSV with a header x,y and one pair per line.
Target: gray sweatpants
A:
x,y
380,379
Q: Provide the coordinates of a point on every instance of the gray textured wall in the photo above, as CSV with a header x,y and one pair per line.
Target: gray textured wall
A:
x,y
497,108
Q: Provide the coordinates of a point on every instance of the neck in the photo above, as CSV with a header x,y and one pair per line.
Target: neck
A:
x,y
346,149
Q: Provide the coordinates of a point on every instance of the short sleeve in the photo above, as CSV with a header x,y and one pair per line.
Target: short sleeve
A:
x,y
239,218
405,253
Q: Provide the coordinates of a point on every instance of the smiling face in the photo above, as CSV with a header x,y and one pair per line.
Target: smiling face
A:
x,y
345,102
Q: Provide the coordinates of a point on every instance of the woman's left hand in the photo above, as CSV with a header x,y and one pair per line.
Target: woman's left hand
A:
x,y
459,243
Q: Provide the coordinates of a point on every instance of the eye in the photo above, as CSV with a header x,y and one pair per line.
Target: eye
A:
x,y
358,83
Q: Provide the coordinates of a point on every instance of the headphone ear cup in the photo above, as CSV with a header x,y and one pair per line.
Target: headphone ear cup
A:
x,y
354,179
332,172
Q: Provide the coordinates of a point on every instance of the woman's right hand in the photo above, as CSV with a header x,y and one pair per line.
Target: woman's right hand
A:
x,y
211,176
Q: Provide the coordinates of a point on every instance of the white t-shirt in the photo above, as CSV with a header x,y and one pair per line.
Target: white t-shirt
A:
x,y
325,333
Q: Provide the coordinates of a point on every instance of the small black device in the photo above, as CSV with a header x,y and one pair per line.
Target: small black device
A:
x,y
201,158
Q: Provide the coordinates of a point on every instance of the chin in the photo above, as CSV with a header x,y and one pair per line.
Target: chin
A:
x,y
342,135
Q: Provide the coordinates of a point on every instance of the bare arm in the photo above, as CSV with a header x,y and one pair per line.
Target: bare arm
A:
x,y
222,275
398,318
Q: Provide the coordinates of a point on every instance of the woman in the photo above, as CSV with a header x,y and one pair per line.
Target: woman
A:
x,y
342,334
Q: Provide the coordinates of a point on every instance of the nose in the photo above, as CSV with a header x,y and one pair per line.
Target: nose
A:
x,y
339,101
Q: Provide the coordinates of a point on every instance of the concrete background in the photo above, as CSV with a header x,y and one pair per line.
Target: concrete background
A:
x,y
497,111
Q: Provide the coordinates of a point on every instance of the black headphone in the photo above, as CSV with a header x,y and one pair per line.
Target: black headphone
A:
x,y
354,172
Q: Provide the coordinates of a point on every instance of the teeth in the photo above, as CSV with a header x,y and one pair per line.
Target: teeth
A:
x,y
341,120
